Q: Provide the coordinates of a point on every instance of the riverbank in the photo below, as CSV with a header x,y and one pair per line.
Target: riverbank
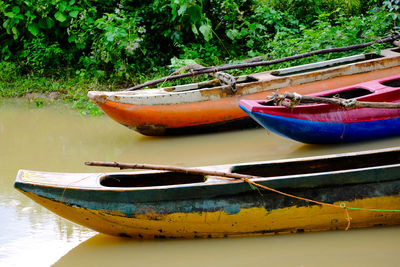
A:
x,y
41,90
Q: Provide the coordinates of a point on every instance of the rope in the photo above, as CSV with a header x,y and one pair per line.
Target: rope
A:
x,y
166,79
341,206
348,218
351,103
68,186
296,100
277,99
289,195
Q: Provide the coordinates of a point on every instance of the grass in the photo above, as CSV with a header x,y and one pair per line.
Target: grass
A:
x,y
42,90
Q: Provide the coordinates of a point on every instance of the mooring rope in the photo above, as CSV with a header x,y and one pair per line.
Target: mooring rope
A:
x,y
341,206
348,218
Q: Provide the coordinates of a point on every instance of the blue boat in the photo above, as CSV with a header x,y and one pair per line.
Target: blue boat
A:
x,y
329,123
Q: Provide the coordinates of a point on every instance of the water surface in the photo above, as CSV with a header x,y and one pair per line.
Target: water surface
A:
x,y
56,138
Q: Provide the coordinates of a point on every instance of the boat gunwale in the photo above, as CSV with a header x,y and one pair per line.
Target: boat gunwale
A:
x,y
98,176
330,63
257,105
118,96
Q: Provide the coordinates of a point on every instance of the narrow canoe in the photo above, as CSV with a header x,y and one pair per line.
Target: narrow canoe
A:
x,y
328,123
210,106
155,204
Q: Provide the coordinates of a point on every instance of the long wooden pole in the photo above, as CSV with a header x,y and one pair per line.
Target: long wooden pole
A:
x,y
347,103
206,70
169,168
236,176
244,178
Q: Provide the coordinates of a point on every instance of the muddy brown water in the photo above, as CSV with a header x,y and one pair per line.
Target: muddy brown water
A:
x,y
56,138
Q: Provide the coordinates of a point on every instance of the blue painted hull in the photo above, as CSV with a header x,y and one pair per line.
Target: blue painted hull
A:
x,y
314,132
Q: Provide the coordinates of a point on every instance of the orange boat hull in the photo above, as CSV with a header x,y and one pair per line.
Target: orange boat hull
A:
x,y
219,114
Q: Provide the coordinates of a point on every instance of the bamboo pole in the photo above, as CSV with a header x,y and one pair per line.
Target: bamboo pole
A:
x,y
347,103
206,70
122,166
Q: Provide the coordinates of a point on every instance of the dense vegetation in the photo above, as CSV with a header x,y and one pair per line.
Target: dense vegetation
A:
x,y
73,46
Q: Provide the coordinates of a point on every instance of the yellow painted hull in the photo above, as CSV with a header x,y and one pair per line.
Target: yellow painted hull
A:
x,y
295,195
247,222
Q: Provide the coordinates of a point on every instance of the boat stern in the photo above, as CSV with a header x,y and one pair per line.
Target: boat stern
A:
x,y
31,184
30,181
22,180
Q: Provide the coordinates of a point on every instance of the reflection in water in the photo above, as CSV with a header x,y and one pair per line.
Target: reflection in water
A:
x,y
55,138
311,150
340,248
31,235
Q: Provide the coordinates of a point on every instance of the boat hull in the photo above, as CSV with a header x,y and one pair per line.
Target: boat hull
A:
x,y
168,111
235,218
180,119
328,123
312,196
317,132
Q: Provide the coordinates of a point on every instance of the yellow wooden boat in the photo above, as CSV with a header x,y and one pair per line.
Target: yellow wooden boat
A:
x,y
331,192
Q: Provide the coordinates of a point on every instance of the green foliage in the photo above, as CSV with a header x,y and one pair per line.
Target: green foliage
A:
x,y
126,41
77,95
8,72
189,13
38,90
327,32
115,40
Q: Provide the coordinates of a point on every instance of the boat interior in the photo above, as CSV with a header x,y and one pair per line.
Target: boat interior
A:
x,y
272,169
323,164
150,179
207,84
279,73
324,64
347,94
397,50
392,83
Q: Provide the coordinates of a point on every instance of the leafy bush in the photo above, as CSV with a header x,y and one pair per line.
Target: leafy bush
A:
x,y
128,41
